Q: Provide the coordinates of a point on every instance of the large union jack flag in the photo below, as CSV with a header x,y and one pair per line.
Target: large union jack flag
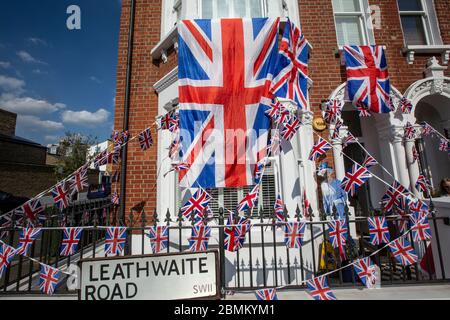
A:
x,y
338,232
294,233
26,239
355,178
266,294
378,230
224,70
7,253
69,243
48,279
159,238
365,269
115,240
318,288
199,238
32,211
61,196
368,77
291,76
403,251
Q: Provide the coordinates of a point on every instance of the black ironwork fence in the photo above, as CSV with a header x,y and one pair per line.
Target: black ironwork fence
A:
x,y
264,261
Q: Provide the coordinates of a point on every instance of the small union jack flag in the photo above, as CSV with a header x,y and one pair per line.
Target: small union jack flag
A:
x,y
183,166
338,233
115,240
422,184
274,146
443,145
403,251
7,253
79,180
250,200
318,288
349,139
61,196
115,136
101,159
418,206
69,243
420,227
279,209
365,269
125,135
199,238
170,121
294,233
26,239
266,294
333,110
174,148
159,238
259,168
48,279
369,162
427,129
393,196
319,149
290,127
409,131
115,199
305,204
336,129
112,157
355,178
415,154
276,111
362,109
32,211
145,139
196,204
378,230
231,239
405,105
242,228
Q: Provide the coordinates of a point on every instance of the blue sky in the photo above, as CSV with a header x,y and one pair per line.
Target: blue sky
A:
x,y
57,79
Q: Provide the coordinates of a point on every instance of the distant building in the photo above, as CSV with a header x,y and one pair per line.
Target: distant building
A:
x,y
105,170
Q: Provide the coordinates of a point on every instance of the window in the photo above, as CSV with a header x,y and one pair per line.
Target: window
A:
x,y
416,21
210,9
351,24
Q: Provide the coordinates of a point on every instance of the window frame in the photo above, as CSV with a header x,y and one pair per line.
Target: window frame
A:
x,y
425,15
365,24
264,7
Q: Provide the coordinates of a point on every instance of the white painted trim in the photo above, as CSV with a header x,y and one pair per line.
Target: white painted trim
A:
x,y
167,80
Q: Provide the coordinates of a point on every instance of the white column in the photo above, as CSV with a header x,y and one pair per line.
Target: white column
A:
x,y
338,158
413,167
400,156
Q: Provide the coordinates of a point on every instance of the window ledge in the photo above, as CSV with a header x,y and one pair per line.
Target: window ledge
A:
x,y
411,50
168,41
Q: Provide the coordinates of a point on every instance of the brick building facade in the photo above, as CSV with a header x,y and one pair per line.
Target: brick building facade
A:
x,y
416,35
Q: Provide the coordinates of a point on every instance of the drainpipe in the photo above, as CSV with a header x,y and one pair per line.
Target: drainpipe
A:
x,y
123,173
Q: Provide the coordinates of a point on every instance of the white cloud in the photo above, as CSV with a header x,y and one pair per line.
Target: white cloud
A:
x,y
35,124
5,64
11,84
95,79
37,41
28,58
39,71
85,117
27,105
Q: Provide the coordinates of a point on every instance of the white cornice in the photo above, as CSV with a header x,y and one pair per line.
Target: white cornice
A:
x,y
167,80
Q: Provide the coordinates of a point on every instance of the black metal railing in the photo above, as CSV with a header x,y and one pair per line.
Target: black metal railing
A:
x,y
264,261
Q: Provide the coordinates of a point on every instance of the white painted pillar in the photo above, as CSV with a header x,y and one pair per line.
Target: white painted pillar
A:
x,y
413,167
338,158
400,156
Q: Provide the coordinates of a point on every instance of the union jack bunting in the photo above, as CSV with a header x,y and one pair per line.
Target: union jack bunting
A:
x,y
393,196
279,209
443,145
319,149
125,135
170,121
69,243
145,139
291,77
32,211
181,166
349,139
111,157
420,227
7,253
101,159
199,238
290,127
274,146
174,148
426,129
48,279
259,168
115,240
266,294
365,269
409,131
336,130
332,110
231,239
355,178
242,228
415,154
378,230
362,109
277,112
318,288
6,222
224,75
422,184
294,233
159,238
418,206
115,136
403,252
61,196
250,200
26,239
338,232
368,77
369,162
196,204
405,105
306,205
79,180
115,199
